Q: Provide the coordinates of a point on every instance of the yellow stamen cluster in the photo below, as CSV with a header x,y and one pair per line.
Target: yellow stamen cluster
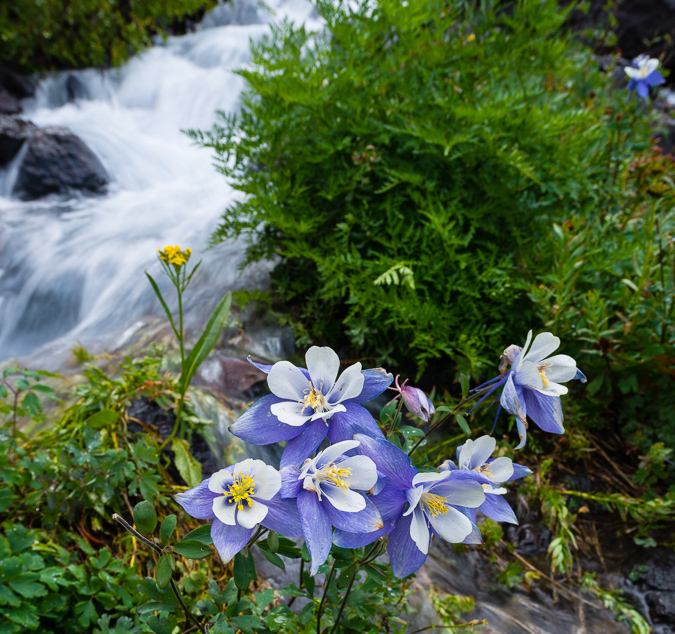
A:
x,y
174,255
434,504
542,372
314,398
335,474
485,470
241,490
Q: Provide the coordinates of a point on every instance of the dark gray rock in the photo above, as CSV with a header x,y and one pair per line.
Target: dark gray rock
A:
x,y
13,134
8,103
76,88
58,162
16,84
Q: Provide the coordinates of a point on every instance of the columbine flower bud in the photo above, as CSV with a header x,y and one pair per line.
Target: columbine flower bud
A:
x,y
416,401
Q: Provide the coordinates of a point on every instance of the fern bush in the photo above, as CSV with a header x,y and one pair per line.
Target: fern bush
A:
x,y
391,159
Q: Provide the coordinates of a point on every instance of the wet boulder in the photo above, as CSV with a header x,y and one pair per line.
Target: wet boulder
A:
x,y
58,162
9,104
13,134
16,84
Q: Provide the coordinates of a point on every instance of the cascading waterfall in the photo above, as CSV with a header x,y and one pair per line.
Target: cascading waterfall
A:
x,y
73,269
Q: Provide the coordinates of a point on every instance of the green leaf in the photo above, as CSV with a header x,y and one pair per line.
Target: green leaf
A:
x,y
273,542
28,589
189,469
244,569
247,623
346,576
205,344
461,421
163,572
161,624
274,559
32,403
167,528
464,382
104,418
201,534
192,549
161,299
306,557
145,518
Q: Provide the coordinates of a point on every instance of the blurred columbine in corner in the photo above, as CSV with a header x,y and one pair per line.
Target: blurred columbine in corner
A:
x,y
532,385
643,74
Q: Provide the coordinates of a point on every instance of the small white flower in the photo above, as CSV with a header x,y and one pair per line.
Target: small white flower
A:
x,y
321,395
645,67
338,479
240,485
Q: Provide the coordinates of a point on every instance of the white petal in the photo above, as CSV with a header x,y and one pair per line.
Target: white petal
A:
x,y
633,73
650,66
482,450
329,455
501,469
267,483
419,531
323,365
290,413
523,351
413,496
560,368
488,489
224,511
430,477
309,485
465,454
452,526
349,385
287,381
527,375
220,480
459,492
329,413
544,344
251,515
364,472
553,389
343,499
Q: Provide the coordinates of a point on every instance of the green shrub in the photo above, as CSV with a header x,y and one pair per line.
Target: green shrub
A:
x,y
398,165
50,34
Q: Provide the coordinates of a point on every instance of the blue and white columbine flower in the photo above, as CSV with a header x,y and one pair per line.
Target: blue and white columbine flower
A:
x,y
239,498
330,491
474,457
414,506
643,74
532,387
306,405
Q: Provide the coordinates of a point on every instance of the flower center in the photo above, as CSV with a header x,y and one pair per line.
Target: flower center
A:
x,y
314,399
542,372
485,470
336,475
241,490
434,504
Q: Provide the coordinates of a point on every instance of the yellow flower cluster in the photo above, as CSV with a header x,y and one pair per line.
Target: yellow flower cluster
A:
x,y
174,255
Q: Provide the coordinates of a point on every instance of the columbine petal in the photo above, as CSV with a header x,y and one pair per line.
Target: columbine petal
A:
x,y
413,497
220,480
452,526
404,555
501,469
419,531
554,389
332,453
543,345
561,368
498,509
633,73
460,489
267,479
224,510
511,401
355,420
251,514
290,482
349,385
363,474
323,366
655,79
198,501
480,450
287,382
329,414
259,426
301,447
342,499
389,459
229,540
367,520
519,471
515,365
529,376
545,411
375,382
650,66
642,89
282,517
316,528
424,478
345,539
291,413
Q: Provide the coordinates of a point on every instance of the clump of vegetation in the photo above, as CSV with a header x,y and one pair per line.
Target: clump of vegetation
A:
x,y
57,34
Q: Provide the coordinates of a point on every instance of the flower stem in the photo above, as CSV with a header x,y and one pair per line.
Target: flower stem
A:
x,y
323,598
344,601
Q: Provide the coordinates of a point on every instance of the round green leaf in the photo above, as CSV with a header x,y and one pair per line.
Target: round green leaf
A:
x,y
163,572
145,518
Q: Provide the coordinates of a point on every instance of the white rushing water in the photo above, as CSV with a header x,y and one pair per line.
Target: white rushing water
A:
x,y
73,269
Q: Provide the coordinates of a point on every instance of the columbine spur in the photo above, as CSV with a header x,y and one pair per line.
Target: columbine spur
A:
x,y
239,498
643,74
330,490
414,506
532,387
306,405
